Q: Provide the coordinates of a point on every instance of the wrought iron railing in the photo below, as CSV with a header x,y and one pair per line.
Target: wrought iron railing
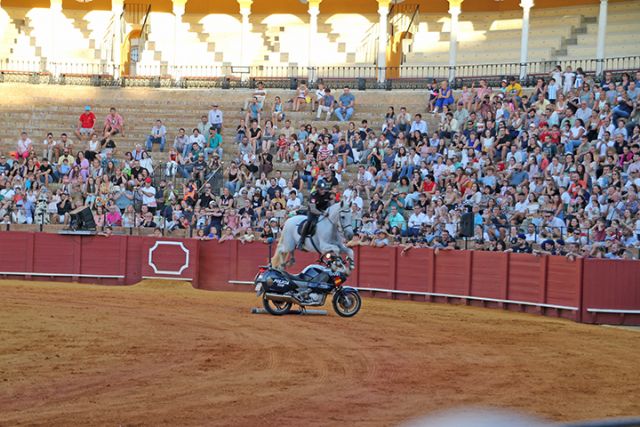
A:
x,y
284,76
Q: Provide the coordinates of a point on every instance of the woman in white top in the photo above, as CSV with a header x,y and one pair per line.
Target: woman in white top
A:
x,y
94,146
401,158
575,133
129,217
147,162
488,143
263,184
301,97
561,103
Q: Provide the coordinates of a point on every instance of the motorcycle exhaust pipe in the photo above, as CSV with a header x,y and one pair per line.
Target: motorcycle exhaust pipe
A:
x,y
280,297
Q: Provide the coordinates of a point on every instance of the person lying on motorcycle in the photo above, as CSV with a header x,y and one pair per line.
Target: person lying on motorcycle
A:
x,y
319,202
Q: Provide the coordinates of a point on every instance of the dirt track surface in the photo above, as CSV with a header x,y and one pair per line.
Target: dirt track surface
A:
x,y
161,353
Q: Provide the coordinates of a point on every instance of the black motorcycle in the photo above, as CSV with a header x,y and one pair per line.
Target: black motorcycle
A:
x,y
281,290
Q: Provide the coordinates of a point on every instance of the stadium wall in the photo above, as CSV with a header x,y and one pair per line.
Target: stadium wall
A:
x,y
584,290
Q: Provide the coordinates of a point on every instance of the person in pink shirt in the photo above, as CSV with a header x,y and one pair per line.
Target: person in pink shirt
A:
x,y
113,217
482,91
113,124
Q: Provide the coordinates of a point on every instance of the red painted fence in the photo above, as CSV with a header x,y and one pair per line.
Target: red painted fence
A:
x,y
590,291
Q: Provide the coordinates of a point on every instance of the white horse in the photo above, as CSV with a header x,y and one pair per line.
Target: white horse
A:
x,y
331,232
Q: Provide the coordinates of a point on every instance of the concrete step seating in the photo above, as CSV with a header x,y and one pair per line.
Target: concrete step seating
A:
x,y
476,56
41,109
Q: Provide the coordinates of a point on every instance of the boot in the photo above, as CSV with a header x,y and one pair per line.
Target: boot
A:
x,y
300,244
303,235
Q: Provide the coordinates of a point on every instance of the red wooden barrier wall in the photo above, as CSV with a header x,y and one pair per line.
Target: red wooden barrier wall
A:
x,y
611,288
592,291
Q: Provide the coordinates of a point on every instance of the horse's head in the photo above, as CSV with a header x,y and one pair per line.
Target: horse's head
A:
x,y
345,220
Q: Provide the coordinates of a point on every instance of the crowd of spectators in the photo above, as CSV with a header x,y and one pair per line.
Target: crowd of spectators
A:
x,y
554,169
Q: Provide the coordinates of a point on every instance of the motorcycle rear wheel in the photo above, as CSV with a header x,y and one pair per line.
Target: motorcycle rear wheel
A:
x,y
347,304
277,308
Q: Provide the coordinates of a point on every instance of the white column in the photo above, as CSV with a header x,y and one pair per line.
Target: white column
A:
x,y
454,11
313,30
244,37
117,7
602,32
526,6
178,12
54,13
383,24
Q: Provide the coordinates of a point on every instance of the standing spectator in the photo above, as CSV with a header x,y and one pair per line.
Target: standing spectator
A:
x,y
148,194
216,117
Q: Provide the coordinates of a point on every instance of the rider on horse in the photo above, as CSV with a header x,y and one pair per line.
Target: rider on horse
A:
x,y
319,202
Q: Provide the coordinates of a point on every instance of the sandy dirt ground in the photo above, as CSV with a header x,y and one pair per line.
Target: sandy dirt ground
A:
x,y
166,354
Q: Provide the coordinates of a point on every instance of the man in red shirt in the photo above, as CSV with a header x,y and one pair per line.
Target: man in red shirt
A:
x,y
85,124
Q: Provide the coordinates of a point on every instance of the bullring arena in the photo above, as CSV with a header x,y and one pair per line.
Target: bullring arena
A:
x,y
164,353
486,153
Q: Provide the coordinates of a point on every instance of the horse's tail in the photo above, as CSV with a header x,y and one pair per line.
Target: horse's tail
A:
x,y
277,260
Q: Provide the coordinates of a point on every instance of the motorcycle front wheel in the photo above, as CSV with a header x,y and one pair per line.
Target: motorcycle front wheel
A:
x,y
277,308
347,304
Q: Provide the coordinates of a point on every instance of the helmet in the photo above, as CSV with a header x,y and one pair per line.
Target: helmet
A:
x,y
322,185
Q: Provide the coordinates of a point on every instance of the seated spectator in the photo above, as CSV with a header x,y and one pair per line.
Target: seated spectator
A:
x,y
325,104
113,125
86,123
214,143
158,136
259,95
346,105
300,98
444,97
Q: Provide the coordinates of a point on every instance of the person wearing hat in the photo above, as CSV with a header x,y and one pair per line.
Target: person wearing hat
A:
x,y
216,117
520,245
86,123
319,202
148,193
380,239
547,247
